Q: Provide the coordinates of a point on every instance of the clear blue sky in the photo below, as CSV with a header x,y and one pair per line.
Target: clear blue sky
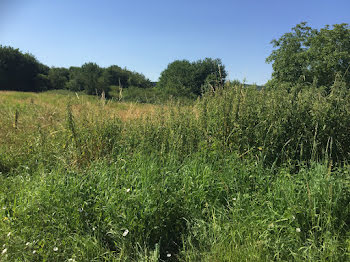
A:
x,y
147,35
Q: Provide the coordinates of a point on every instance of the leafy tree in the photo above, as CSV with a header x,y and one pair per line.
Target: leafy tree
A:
x,y
58,77
178,78
311,55
183,78
116,76
89,78
21,72
330,54
42,82
94,81
208,71
75,82
138,80
90,73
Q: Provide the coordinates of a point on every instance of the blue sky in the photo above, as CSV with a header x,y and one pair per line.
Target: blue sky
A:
x,y
147,35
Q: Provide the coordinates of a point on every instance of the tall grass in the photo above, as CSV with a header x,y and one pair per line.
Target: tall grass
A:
x,y
239,175
279,125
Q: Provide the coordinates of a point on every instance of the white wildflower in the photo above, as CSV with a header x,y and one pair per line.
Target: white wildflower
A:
x,y
168,255
4,251
28,243
298,229
55,249
128,190
34,251
234,199
126,232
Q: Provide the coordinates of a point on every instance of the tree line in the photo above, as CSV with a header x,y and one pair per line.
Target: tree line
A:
x,y
304,55
23,72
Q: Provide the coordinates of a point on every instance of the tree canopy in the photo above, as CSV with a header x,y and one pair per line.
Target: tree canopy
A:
x,y
185,78
94,79
21,72
311,55
58,77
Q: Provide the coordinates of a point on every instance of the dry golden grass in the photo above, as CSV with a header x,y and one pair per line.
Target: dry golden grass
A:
x,y
23,114
50,108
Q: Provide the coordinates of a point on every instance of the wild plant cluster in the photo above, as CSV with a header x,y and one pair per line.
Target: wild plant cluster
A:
x,y
240,175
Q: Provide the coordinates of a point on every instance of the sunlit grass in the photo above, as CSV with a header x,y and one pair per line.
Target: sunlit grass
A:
x,y
240,175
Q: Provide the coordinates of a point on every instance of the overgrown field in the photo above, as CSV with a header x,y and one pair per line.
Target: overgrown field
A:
x,y
239,175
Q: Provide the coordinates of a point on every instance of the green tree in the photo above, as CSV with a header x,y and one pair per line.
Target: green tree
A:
x,y
183,78
116,76
58,77
330,54
75,82
21,72
208,71
90,78
93,79
178,78
138,80
311,55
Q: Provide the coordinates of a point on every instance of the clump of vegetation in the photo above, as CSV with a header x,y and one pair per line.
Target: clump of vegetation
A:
x,y
23,72
307,55
185,79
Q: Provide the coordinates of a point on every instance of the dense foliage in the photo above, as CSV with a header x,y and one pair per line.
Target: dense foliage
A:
x,y
21,72
184,78
58,77
95,80
312,56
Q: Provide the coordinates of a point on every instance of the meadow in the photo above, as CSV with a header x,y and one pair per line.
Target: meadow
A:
x,y
240,174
